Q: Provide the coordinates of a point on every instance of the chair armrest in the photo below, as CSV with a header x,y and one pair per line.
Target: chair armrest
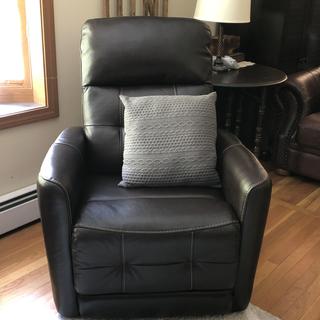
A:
x,y
242,175
247,188
64,166
59,189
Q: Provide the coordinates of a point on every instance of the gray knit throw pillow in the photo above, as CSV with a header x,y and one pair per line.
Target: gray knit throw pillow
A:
x,y
169,141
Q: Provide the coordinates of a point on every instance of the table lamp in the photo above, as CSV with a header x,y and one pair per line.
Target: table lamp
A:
x,y
223,11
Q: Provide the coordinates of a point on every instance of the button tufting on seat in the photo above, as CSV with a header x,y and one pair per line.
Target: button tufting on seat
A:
x,y
152,240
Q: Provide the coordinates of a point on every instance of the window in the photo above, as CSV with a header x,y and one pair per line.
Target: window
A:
x,y
28,81
15,76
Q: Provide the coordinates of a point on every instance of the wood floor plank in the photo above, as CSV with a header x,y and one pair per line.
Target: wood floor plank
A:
x,y
280,231
278,214
312,202
12,242
263,271
298,289
23,271
293,240
278,185
298,308
299,189
276,178
313,312
275,242
19,259
25,285
285,274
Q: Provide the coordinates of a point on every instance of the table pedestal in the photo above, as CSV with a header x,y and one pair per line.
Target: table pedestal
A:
x,y
259,128
239,84
261,100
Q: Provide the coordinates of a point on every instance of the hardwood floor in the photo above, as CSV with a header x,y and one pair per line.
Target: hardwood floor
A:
x,y
288,277
25,291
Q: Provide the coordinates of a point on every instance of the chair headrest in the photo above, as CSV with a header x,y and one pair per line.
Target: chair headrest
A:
x,y
145,50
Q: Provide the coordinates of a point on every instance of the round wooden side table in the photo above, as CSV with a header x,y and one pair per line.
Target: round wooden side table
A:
x,y
255,76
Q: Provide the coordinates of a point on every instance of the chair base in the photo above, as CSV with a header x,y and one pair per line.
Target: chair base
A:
x,y
304,163
156,305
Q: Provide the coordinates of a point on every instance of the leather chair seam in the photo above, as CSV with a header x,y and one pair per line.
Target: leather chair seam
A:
x,y
102,125
151,197
211,226
120,108
159,294
175,91
159,264
230,147
191,260
64,191
123,264
69,221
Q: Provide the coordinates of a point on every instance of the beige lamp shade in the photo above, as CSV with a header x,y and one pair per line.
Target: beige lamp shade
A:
x,y
223,11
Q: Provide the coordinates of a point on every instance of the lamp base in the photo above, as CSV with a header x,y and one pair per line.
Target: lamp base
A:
x,y
219,66
222,68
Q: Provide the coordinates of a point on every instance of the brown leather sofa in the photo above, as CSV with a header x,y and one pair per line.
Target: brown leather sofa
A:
x,y
117,252
298,145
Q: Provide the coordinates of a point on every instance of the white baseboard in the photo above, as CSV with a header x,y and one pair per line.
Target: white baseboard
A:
x,y
20,214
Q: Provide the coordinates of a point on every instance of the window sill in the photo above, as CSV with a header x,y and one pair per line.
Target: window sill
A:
x,y
16,114
8,109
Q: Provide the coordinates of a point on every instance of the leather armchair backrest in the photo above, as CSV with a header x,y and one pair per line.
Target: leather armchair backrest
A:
x,y
136,56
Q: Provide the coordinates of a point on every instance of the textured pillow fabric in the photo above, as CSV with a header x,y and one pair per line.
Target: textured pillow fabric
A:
x,y
169,141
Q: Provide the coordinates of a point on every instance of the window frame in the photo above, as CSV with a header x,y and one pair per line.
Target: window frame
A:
x,y
51,109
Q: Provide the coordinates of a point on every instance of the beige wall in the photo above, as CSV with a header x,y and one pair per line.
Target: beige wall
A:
x,y
23,148
185,8
182,8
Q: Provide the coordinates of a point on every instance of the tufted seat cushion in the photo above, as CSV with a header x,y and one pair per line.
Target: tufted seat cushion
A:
x,y
309,132
153,239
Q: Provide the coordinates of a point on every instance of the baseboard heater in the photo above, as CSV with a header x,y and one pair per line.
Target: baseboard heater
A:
x,y
18,208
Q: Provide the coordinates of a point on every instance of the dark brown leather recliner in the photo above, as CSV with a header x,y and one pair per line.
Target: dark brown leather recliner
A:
x,y
298,147
146,251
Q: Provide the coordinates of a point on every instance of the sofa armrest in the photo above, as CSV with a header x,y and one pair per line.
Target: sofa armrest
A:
x,y
247,188
298,97
59,190
304,87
